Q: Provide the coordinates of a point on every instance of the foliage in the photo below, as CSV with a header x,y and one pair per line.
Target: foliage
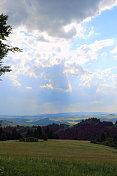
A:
x,y
41,133
49,167
2,172
14,133
105,140
45,138
28,139
5,31
8,135
90,129
38,132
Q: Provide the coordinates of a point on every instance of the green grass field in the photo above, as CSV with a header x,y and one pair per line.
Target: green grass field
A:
x,y
57,158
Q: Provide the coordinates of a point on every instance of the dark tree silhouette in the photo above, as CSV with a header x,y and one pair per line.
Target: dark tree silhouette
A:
x,y
5,31
15,134
103,137
38,132
29,133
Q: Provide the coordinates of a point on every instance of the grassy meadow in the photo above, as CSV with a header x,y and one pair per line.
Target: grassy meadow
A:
x,y
57,158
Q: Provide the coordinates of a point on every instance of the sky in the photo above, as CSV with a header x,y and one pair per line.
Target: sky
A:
x,y
69,58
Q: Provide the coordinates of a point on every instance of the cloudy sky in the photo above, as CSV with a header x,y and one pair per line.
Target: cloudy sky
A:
x,y
69,58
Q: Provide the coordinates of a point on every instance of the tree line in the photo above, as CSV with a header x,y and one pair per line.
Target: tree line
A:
x,y
9,135
16,133
90,129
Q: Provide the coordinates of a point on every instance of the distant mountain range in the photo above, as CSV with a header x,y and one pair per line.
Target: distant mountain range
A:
x,y
71,118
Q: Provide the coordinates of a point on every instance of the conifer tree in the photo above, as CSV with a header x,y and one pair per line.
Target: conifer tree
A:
x,y
5,31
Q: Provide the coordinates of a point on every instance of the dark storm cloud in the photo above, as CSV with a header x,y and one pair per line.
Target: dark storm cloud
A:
x,y
50,15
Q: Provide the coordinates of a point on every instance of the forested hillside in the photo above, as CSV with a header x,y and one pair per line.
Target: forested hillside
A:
x,y
90,129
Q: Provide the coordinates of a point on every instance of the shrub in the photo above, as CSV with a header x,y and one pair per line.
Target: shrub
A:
x,y
29,139
94,142
2,172
45,138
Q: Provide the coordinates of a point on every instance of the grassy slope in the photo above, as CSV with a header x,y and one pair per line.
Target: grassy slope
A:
x,y
63,149
58,158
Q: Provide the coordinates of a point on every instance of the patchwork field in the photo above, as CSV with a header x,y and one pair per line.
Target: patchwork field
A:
x,y
57,158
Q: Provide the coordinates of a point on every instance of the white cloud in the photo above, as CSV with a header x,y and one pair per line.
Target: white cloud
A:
x,y
52,16
49,86
105,82
87,53
14,79
53,58
56,79
29,88
97,102
73,69
107,4
114,51
46,30
44,47
92,28
115,57
91,33
97,45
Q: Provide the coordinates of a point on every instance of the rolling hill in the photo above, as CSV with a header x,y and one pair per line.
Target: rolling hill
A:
x,y
59,118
